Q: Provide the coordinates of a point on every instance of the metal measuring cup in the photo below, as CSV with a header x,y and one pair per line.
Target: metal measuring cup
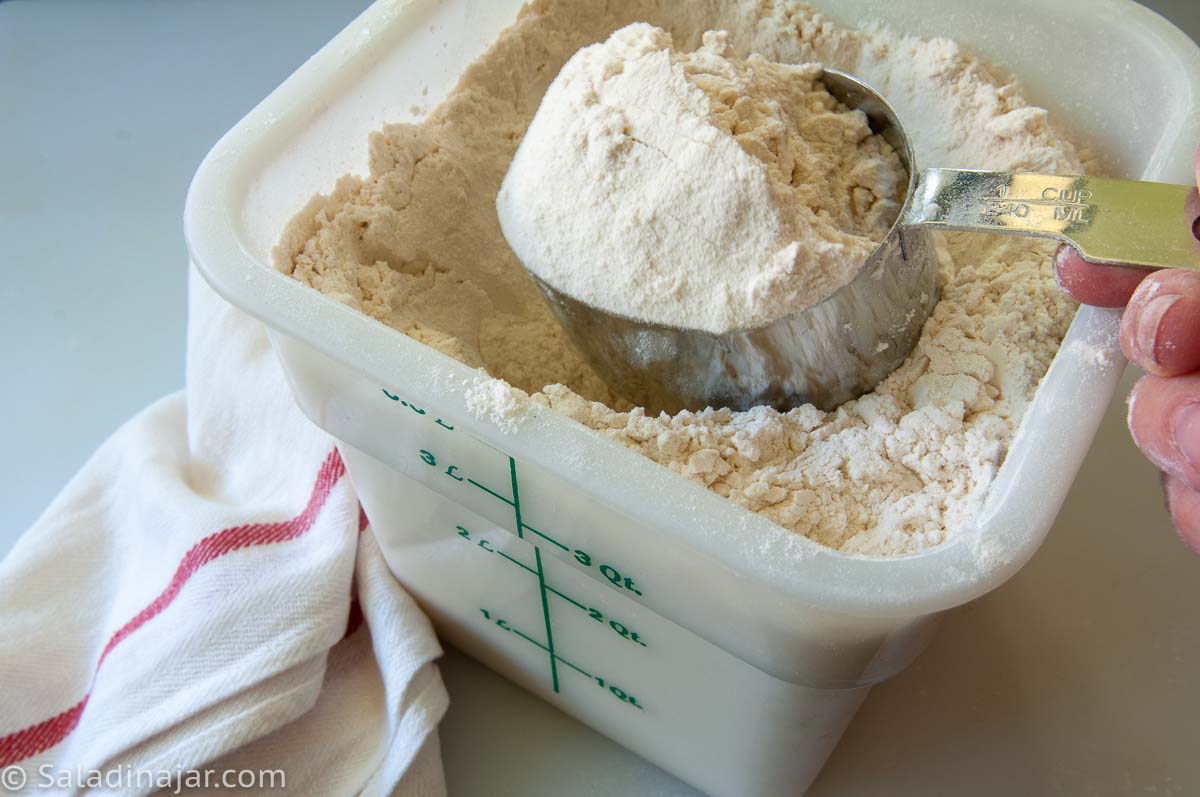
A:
x,y
844,345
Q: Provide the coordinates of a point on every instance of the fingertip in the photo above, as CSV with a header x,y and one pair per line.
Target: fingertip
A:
x,y
1184,505
1094,283
1160,330
1164,419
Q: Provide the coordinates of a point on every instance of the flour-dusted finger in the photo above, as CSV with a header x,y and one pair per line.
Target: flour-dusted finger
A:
x,y
1161,327
1164,417
1095,283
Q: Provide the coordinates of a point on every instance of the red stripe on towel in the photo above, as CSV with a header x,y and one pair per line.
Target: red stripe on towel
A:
x,y
46,734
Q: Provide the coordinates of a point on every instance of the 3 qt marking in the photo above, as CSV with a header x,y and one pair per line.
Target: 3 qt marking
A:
x,y
551,596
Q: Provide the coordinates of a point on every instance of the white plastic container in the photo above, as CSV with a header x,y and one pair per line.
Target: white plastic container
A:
x,y
703,637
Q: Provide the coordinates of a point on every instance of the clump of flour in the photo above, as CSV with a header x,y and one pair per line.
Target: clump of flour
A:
x,y
696,189
498,402
417,244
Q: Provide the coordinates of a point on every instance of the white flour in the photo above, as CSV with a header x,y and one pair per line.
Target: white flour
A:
x,y
417,244
696,189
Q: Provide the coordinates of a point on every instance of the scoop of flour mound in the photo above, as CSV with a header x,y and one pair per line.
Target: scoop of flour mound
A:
x,y
696,189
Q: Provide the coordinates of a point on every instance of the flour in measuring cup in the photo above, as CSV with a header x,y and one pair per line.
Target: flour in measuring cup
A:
x,y
417,244
696,189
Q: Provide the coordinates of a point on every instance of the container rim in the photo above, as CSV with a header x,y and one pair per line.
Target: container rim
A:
x,y
951,574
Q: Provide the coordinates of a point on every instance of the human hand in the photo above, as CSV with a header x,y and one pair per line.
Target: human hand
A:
x,y
1160,332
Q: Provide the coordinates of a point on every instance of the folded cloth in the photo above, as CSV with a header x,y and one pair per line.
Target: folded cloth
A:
x,y
204,606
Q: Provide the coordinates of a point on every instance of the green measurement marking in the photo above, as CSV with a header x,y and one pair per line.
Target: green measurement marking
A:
x,y
616,691
535,643
537,553
541,573
546,537
567,598
607,571
522,565
576,668
522,526
619,628
516,499
516,502
614,576
494,494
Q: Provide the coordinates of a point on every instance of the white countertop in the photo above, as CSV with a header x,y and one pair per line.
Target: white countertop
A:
x,y
1078,677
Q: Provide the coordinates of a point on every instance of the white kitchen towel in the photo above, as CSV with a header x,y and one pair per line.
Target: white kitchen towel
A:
x,y
204,606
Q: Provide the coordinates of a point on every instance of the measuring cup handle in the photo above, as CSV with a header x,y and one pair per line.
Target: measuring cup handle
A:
x,y
1123,222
